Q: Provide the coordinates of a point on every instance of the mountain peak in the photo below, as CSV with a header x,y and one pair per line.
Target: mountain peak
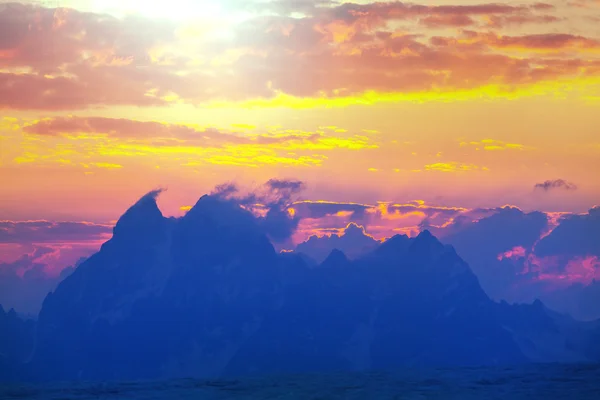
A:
x,y
426,243
12,314
538,304
397,241
222,228
210,203
426,236
335,259
395,246
140,222
144,210
353,241
221,211
212,279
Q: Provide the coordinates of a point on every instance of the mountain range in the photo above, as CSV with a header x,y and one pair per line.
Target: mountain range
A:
x,y
207,295
16,342
354,242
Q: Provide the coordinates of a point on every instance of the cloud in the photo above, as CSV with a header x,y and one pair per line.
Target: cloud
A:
x,y
225,190
52,232
352,240
585,3
503,230
542,41
480,242
382,14
279,223
555,184
316,209
333,53
381,220
494,145
106,165
162,132
66,59
25,282
576,235
580,300
193,145
271,204
518,256
280,7
284,188
396,10
32,92
454,167
452,20
152,195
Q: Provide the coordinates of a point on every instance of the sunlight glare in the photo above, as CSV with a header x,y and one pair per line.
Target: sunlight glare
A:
x,y
172,9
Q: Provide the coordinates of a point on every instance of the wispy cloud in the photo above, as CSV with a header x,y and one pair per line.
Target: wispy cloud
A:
x,y
116,138
52,232
454,167
493,145
555,184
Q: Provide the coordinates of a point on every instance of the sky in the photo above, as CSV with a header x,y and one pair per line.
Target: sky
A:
x,y
440,105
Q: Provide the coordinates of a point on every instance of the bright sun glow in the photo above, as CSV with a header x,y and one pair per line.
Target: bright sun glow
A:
x,y
171,9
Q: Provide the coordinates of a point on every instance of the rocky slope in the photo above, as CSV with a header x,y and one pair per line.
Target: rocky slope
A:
x,y
16,343
206,295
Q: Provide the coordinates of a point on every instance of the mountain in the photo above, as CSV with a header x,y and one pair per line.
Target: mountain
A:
x,y
411,302
16,343
354,242
162,297
335,259
207,295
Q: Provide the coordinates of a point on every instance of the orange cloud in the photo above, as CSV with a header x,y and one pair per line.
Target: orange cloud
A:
x,y
503,21
127,129
68,60
164,134
381,220
75,141
454,167
494,145
542,41
396,10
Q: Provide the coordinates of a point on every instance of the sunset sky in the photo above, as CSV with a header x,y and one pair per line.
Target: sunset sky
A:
x,y
455,104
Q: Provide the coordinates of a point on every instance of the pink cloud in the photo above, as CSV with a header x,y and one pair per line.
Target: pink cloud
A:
x,y
65,59
514,253
52,232
161,133
578,270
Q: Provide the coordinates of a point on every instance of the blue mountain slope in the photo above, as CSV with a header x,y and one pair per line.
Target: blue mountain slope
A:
x,y
206,295
16,343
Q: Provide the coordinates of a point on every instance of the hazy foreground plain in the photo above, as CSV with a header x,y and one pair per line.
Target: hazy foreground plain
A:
x,y
576,382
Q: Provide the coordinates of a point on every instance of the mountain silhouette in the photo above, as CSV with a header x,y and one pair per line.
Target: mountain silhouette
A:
x,y
207,295
335,259
16,343
354,242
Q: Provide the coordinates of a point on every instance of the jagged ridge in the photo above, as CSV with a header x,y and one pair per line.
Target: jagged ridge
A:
x,y
206,295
